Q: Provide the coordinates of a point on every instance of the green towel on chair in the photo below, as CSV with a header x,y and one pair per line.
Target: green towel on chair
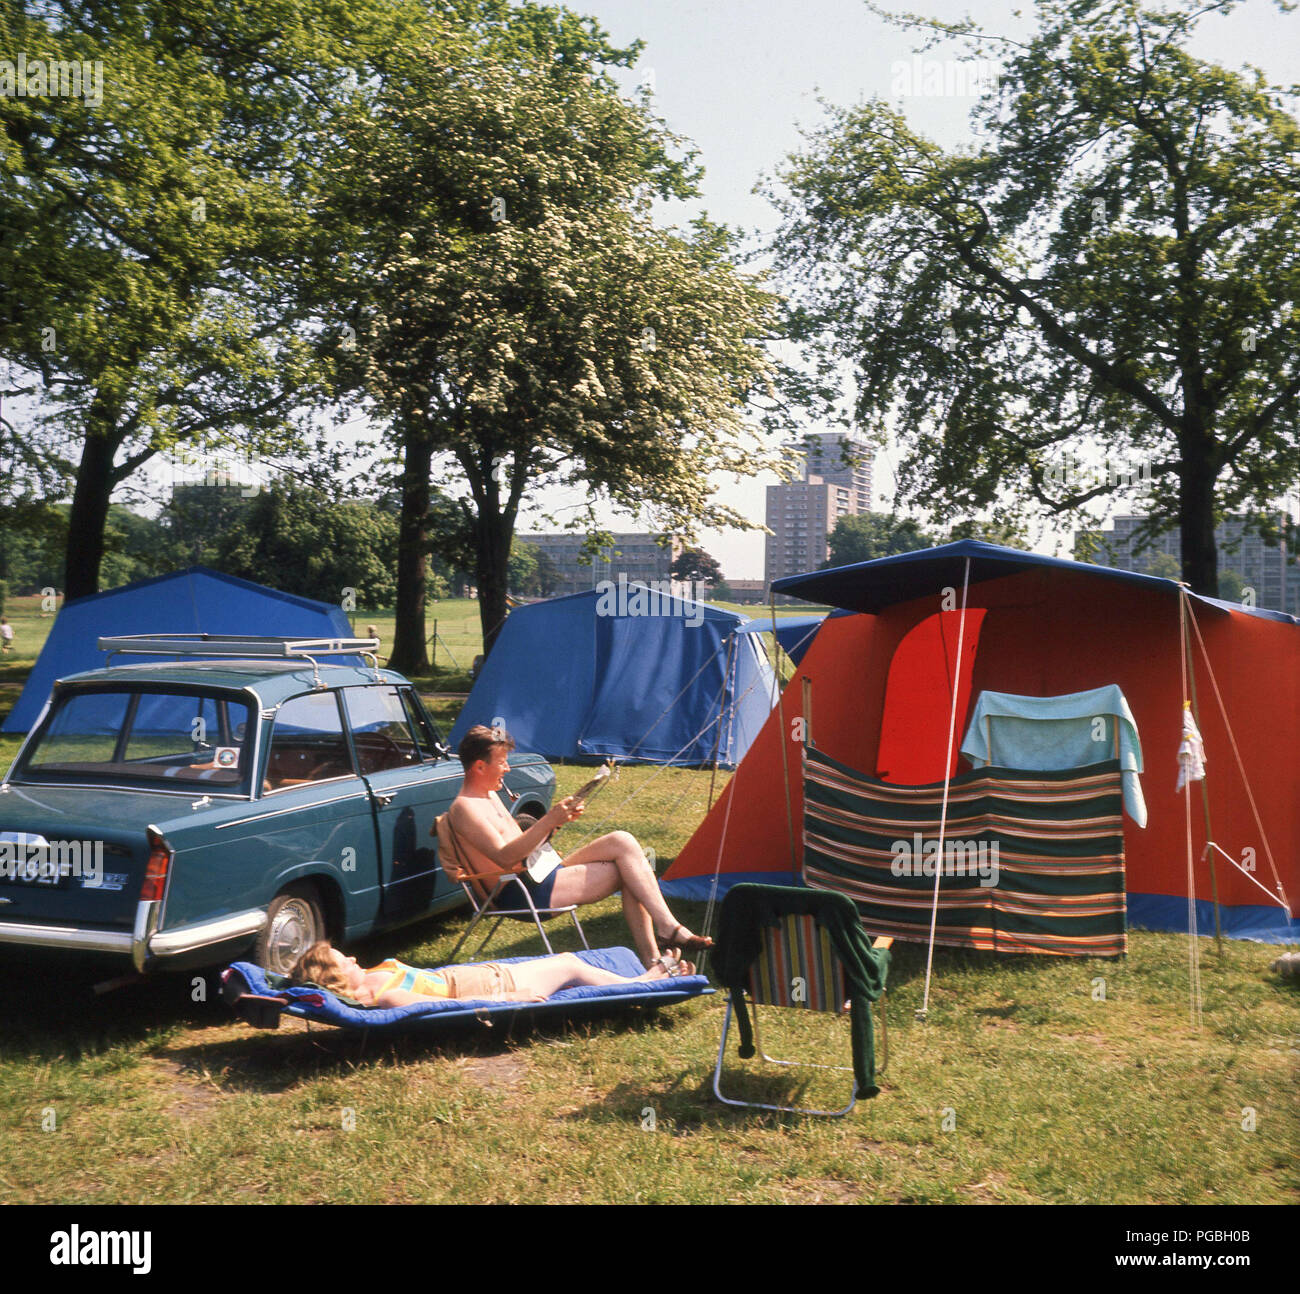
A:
x,y
747,909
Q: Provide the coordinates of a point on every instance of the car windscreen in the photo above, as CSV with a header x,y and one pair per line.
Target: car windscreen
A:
x,y
139,734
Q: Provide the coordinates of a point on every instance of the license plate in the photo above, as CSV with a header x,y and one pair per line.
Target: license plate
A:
x,y
25,860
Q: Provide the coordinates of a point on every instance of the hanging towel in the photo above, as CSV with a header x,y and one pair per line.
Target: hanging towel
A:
x,y
1191,751
1050,733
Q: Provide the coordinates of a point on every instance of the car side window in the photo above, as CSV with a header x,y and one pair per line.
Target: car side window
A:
x,y
424,731
381,735
307,743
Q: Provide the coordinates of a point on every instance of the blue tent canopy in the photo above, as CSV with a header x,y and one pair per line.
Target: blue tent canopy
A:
x,y
794,633
629,673
194,600
872,586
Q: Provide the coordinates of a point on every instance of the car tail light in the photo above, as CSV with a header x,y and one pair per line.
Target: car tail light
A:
x,y
155,874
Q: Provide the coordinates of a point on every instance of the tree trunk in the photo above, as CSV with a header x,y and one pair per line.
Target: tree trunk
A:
x,y
410,653
1199,552
89,514
492,569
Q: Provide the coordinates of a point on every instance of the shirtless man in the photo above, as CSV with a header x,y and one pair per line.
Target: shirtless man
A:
x,y
491,843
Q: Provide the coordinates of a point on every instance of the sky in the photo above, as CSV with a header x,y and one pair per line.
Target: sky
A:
x,y
739,78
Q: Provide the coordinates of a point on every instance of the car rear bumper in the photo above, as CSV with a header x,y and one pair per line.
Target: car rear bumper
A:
x,y
143,944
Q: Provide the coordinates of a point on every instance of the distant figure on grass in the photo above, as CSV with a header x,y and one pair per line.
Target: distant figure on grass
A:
x,y
393,983
6,635
491,844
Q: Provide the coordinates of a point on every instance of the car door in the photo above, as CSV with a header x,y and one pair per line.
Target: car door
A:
x,y
409,786
314,815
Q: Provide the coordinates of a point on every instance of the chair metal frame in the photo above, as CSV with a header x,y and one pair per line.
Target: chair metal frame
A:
x,y
796,1064
485,907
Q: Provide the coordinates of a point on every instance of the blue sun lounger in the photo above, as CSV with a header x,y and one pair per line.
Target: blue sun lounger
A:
x,y
260,1002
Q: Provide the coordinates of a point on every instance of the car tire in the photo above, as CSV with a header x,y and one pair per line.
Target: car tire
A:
x,y
295,921
526,820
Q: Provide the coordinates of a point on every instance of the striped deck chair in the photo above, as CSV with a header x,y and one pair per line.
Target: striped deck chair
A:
x,y
779,946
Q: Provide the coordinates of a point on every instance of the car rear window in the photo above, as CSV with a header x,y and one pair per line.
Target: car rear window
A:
x,y
136,735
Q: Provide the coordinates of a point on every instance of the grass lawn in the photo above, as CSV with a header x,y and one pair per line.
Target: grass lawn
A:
x,y
1034,1080
1025,1085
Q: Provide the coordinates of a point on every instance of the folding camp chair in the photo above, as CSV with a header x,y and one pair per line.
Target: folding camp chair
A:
x,y
794,964
485,894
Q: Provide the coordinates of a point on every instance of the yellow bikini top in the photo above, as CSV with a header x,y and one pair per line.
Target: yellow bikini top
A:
x,y
425,983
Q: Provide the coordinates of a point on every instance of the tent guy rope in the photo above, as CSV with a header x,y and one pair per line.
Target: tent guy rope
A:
x,y
924,1009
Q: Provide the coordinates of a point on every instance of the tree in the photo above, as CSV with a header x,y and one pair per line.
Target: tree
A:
x,y
1232,586
523,566
518,311
695,564
200,517
307,543
149,225
869,535
135,548
1114,267
32,547
1007,533
548,575
1166,566
532,572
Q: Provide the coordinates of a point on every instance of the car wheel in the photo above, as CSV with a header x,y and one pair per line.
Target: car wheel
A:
x,y
294,922
526,820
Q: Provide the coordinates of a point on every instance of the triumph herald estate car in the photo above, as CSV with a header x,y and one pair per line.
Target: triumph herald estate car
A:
x,y
184,812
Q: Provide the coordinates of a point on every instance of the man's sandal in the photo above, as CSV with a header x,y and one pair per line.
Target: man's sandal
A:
x,y
691,942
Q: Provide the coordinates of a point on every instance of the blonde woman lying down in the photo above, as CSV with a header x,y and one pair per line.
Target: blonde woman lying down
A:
x,y
392,983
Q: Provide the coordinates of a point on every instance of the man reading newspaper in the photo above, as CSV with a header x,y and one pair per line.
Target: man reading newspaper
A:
x,y
490,842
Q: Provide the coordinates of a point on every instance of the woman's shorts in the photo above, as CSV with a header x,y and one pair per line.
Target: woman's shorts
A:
x,y
491,980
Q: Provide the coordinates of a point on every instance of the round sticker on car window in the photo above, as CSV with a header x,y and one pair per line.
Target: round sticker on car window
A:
x,y
226,756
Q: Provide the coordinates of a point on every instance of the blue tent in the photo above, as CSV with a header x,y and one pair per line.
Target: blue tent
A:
x,y
794,633
626,672
195,600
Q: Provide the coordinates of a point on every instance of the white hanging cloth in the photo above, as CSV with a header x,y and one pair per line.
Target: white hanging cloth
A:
x,y
1191,751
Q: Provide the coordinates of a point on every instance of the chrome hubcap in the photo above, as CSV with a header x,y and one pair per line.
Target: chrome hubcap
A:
x,y
293,931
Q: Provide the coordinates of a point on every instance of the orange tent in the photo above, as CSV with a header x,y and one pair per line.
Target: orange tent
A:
x,y
881,693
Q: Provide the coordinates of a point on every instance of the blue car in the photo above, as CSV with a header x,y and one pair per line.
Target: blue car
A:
x,y
182,813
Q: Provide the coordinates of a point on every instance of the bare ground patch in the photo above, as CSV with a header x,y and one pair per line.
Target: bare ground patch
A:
x,y
505,1071
194,1093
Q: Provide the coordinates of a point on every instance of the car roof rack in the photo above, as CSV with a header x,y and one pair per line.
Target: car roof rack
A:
x,y
244,646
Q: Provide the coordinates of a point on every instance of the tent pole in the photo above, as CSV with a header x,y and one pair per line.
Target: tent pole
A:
x,y
785,759
1205,788
1193,954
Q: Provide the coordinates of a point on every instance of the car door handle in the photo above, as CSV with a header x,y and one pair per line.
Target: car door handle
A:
x,y
384,800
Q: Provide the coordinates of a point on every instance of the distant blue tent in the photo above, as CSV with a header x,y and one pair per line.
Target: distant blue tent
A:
x,y
794,633
627,672
195,600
